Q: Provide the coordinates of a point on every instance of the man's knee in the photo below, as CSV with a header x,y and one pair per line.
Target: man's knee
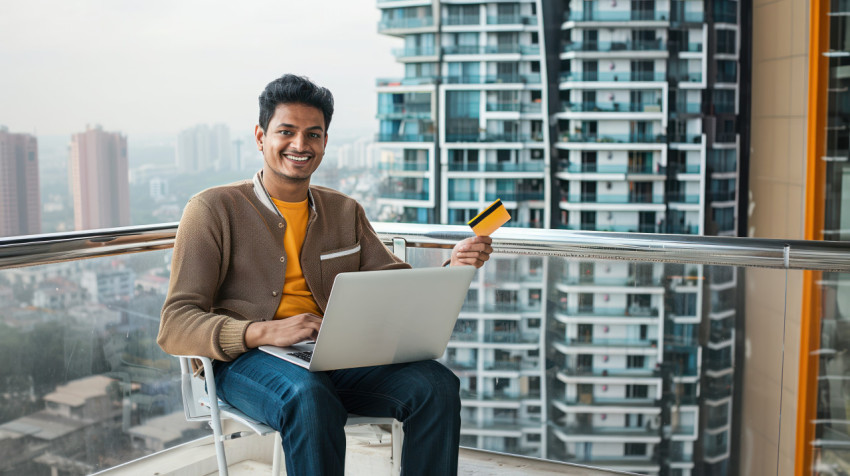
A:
x,y
315,401
441,385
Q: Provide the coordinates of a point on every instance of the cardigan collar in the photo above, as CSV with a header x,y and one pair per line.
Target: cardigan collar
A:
x,y
266,199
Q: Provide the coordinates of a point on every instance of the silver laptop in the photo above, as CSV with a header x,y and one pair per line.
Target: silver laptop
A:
x,y
384,317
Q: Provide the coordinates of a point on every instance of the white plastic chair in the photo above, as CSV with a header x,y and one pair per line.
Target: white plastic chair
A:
x,y
201,405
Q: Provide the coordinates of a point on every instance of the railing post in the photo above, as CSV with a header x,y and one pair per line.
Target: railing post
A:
x,y
400,248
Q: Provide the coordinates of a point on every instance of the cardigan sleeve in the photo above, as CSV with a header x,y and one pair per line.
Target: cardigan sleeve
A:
x,y
187,326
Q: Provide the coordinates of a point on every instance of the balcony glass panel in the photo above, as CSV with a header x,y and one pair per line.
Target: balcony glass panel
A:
x,y
594,352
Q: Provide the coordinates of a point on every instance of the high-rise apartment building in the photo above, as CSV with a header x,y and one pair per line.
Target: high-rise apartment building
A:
x,y
204,147
99,179
608,115
20,203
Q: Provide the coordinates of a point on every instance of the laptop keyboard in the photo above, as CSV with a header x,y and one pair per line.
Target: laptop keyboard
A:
x,y
305,356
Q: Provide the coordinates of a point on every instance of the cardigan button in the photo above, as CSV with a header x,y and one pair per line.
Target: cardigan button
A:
x,y
280,225
274,293
282,259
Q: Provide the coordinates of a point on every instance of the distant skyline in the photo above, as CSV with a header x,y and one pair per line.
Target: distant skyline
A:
x,y
155,68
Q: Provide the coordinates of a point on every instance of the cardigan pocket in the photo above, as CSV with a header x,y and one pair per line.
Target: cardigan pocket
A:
x,y
337,261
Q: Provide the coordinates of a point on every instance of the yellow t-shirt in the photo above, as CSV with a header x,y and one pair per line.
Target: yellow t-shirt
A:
x,y
296,298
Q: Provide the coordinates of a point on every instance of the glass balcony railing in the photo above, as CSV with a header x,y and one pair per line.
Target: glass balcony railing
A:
x,y
413,51
493,137
609,76
89,370
404,166
514,107
611,46
615,198
491,49
530,78
612,169
404,195
406,111
611,107
404,137
413,81
453,20
497,167
404,23
614,138
616,16
512,196
512,20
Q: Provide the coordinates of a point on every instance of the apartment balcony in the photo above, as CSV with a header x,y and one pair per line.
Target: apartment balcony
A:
x,y
413,81
396,24
611,76
582,16
605,433
512,20
512,49
686,139
405,111
404,166
514,196
519,79
613,373
615,107
429,138
687,169
594,341
494,137
523,108
629,198
404,195
683,198
144,430
626,47
456,20
414,52
611,281
636,228
590,311
605,169
497,167
614,138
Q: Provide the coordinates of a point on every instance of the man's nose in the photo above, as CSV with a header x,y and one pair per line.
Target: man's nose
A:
x,y
297,141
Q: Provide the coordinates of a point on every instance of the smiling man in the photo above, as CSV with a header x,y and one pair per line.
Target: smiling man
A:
x,y
254,263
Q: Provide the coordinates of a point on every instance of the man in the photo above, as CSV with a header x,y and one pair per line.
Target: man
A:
x,y
254,263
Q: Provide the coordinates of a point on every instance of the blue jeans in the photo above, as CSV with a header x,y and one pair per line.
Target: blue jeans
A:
x,y
309,409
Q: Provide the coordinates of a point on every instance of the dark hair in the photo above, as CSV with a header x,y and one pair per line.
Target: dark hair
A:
x,y
290,88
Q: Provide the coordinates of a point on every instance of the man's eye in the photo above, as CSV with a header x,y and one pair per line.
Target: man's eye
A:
x,y
286,133
314,135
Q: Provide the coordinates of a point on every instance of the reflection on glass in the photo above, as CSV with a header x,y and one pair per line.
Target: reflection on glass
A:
x,y
84,386
626,366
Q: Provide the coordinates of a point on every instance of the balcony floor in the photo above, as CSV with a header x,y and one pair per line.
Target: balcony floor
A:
x,y
368,453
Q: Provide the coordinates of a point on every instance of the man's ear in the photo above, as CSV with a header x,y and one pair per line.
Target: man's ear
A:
x,y
259,135
326,139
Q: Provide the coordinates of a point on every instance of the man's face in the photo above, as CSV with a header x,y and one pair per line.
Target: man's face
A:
x,y
293,143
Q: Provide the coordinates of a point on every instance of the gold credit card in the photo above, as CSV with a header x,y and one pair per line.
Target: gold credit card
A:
x,y
489,220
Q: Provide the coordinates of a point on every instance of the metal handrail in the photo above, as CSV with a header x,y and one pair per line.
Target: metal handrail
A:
x,y
590,245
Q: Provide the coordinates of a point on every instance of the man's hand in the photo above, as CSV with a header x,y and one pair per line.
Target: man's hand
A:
x,y
283,332
473,251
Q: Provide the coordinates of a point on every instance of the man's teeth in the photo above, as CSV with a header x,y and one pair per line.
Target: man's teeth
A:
x,y
297,158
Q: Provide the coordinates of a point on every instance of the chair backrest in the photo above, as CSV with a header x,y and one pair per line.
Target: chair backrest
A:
x,y
193,389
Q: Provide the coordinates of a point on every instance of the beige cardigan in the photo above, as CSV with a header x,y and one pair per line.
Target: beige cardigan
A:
x,y
229,263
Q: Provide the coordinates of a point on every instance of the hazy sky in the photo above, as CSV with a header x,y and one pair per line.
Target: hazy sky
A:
x,y
151,67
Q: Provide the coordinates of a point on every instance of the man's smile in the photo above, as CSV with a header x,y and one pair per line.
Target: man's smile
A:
x,y
297,158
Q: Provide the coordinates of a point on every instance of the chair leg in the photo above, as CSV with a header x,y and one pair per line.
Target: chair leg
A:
x,y
277,455
221,457
398,440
